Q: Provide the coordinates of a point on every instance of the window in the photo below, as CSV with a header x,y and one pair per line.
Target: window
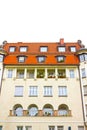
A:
x,y
60,58
18,110
23,49
60,128
83,73
71,73
33,91
83,57
28,127
40,73
61,49
20,73
61,73
73,49
51,127
43,49
21,59
80,127
69,128
85,89
19,127
47,90
19,91
12,49
30,74
1,58
33,110
63,110
0,127
10,72
41,59
51,73
62,91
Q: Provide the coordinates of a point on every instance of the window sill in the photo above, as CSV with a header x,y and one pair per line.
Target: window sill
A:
x,y
18,96
62,96
48,95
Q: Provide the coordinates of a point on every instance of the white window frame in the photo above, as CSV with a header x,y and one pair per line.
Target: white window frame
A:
x,y
60,58
21,59
83,71
23,49
73,49
60,127
62,91
81,57
20,74
12,49
72,73
43,49
33,90
61,49
47,90
18,91
10,73
41,59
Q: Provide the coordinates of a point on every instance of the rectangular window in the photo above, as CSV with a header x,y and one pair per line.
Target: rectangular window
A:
x,y
33,91
23,49
69,128
12,49
28,127
85,89
61,49
20,73
85,55
41,59
21,59
30,74
60,58
60,128
62,91
10,72
80,127
72,75
51,127
43,49
83,73
0,127
47,90
73,49
19,127
81,57
19,91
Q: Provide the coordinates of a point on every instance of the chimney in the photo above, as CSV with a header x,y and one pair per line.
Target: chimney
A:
x,y
62,41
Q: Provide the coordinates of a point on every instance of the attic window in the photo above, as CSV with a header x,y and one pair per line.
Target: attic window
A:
x,y
60,59
21,59
23,49
41,59
73,49
12,49
43,49
61,49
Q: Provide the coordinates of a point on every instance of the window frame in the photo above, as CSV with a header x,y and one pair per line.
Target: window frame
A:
x,y
62,91
25,48
17,92
51,127
41,59
1,127
33,91
61,128
83,72
47,91
85,90
80,127
43,48
23,59
13,49
10,73
72,73
61,48
60,59
28,127
83,57
73,47
19,127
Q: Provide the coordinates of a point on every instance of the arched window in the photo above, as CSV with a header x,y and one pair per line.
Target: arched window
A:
x,y
48,109
18,110
63,109
33,110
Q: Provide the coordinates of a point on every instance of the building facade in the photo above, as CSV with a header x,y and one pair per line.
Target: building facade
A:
x,y
43,86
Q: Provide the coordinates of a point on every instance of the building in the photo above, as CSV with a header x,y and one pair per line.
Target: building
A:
x,y
43,86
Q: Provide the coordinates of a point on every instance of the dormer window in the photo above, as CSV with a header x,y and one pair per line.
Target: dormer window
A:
x,y
23,49
60,58
43,49
41,59
12,49
73,49
61,49
21,59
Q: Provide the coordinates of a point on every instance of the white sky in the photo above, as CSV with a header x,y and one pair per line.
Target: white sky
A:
x,y
43,20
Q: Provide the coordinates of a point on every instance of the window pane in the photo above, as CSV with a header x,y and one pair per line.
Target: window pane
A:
x,y
48,91
81,57
71,73
19,91
51,127
10,73
33,111
21,58
23,49
62,90
12,49
83,73
73,49
41,59
80,127
19,127
28,128
59,127
20,73
33,91
43,49
61,49
85,89
60,58
1,58
0,127
85,56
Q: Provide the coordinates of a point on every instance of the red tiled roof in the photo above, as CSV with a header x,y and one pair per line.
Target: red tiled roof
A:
x,y
34,50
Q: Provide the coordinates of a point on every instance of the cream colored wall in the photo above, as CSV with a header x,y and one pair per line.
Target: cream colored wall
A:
x,y
73,100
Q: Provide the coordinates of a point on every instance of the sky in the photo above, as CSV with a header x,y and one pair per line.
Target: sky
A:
x,y
43,20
